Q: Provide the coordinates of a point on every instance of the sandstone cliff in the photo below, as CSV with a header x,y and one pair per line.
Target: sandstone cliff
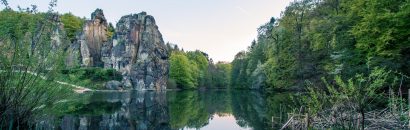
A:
x,y
140,53
92,39
137,50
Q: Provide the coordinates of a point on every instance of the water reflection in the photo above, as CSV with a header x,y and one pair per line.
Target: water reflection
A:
x,y
217,109
222,122
118,110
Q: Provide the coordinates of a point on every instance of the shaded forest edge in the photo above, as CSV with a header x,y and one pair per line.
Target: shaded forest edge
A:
x,y
350,56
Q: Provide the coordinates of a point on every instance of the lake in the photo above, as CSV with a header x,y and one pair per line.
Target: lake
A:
x,y
188,110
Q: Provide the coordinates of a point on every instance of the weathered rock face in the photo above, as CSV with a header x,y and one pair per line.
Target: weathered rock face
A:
x,y
93,39
137,50
113,85
139,53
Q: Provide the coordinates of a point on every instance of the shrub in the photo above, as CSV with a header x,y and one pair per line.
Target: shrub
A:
x,y
89,77
346,101
171,84
29,60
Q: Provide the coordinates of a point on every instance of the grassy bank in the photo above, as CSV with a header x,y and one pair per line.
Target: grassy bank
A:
x,y
93,78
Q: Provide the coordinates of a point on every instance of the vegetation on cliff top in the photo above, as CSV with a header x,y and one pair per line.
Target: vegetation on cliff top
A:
x,y
72,25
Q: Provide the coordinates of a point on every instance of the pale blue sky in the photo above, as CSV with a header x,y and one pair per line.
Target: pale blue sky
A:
x,y
219,27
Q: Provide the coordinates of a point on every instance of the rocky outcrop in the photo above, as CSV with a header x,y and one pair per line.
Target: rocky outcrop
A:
x,y
113,85
92,40
137,50
139,53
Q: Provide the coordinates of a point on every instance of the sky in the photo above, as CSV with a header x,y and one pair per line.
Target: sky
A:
x,y
220,28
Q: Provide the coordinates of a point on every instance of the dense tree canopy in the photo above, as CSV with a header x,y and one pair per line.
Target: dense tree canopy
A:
x,y
314,39
181,71
194,70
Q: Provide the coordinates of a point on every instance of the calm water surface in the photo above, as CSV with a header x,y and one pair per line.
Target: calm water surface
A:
x,y
171,110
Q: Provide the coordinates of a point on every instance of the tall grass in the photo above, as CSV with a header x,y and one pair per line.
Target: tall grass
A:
x,y
361,102
30,56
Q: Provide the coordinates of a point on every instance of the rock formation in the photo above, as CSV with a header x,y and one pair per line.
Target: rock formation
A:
x,y
137,50
92,40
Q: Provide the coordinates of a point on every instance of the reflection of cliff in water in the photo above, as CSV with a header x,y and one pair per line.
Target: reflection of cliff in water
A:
x,y
131,110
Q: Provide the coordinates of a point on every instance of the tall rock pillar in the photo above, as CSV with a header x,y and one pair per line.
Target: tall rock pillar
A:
x,y
92,40
139,53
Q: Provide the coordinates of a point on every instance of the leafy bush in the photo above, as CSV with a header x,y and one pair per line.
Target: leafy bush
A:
x,y
72,25
171,84
29,61
181,71
345,100
89,77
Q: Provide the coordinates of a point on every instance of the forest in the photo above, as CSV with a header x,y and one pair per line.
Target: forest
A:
x,y
348,62
349,55
322,39
195,70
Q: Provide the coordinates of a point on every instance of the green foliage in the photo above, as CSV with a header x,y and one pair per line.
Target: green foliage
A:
x,y
193,70
186,111
200,66
72,25
71,103
239,73
250,109
357,95
222,77
93,78
381,31
15,25
171,84
181,70
110,31
315,39
197,70
29,61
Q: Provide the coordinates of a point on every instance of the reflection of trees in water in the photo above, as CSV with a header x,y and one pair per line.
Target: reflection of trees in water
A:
x,y
255,110
134,110
249,109
172,110
280,104
193,109
186,109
